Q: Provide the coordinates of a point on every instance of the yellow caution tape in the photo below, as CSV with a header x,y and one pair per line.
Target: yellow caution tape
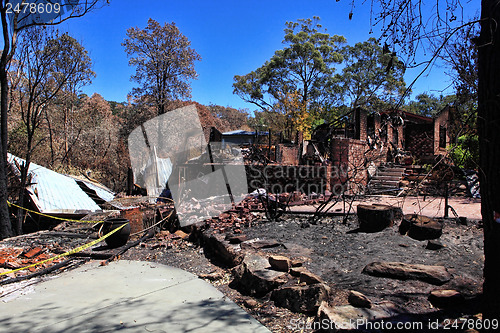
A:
x,y
52,217
75,250
62,218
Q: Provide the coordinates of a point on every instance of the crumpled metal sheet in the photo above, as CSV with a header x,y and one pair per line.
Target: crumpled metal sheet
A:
x,y
54,193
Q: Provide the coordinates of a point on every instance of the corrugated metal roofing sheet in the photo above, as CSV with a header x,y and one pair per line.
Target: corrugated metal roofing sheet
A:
x,y
243,132
156,173
54,193
101,192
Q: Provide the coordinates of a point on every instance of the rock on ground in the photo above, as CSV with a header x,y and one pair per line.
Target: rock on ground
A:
x,y
219,247
437,275
255,277
446,298
295,271
305,299
348,317
309,277
280,263
358,300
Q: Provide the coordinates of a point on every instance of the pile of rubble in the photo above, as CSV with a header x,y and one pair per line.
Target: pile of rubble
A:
x,y
34,249
252,207
14,258
242,215
261,268
165,239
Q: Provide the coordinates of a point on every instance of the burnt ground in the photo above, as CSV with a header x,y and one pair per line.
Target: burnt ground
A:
x,y
338,255
331,249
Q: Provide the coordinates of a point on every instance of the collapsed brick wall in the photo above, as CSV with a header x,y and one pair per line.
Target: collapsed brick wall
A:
x,y
272,177
287,154
354,157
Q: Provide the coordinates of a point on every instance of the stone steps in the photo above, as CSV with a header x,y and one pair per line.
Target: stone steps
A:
x,y
386,180
389,173
387,177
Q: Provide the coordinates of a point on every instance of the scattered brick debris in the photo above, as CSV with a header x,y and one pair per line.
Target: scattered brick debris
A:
x,y
32,253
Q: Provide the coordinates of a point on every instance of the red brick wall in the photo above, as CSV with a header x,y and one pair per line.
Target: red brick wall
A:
x,y
287,154
354,156
419,140
363,115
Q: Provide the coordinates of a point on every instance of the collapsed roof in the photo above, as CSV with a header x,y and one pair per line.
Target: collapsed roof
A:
x,y
57,194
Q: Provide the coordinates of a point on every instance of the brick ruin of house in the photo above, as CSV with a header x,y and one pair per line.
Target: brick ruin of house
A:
x,y
353,151
342,156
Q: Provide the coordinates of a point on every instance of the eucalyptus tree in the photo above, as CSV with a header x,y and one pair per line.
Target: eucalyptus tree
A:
x,y
164,62
429,105
46,63
302,67
233,118
371,77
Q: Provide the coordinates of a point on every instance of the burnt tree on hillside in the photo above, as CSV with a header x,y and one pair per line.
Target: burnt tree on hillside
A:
x,y
46,63
12,24
164,62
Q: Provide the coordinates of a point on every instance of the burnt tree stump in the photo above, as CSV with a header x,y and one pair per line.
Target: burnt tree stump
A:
x,y
420,227
373,218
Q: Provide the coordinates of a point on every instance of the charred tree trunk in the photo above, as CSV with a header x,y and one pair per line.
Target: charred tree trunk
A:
x,y
5,225
489,143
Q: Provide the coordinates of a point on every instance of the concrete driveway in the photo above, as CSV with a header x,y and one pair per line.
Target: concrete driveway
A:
x,y
125,296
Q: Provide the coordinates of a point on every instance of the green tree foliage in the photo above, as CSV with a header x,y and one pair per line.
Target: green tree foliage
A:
x,y
428,104
465,152
302,67
462,59
164,62
371,77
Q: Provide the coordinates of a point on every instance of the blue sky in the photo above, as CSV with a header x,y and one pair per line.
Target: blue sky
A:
x,y
232,37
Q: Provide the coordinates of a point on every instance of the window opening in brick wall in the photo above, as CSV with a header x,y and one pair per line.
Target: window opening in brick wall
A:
x,y
442,137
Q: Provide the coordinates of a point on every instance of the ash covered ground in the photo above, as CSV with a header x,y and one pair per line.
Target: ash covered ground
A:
x,y
333,251
337,253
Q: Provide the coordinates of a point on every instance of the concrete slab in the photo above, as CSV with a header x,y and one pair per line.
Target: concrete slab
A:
x,y
128,296
428,206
